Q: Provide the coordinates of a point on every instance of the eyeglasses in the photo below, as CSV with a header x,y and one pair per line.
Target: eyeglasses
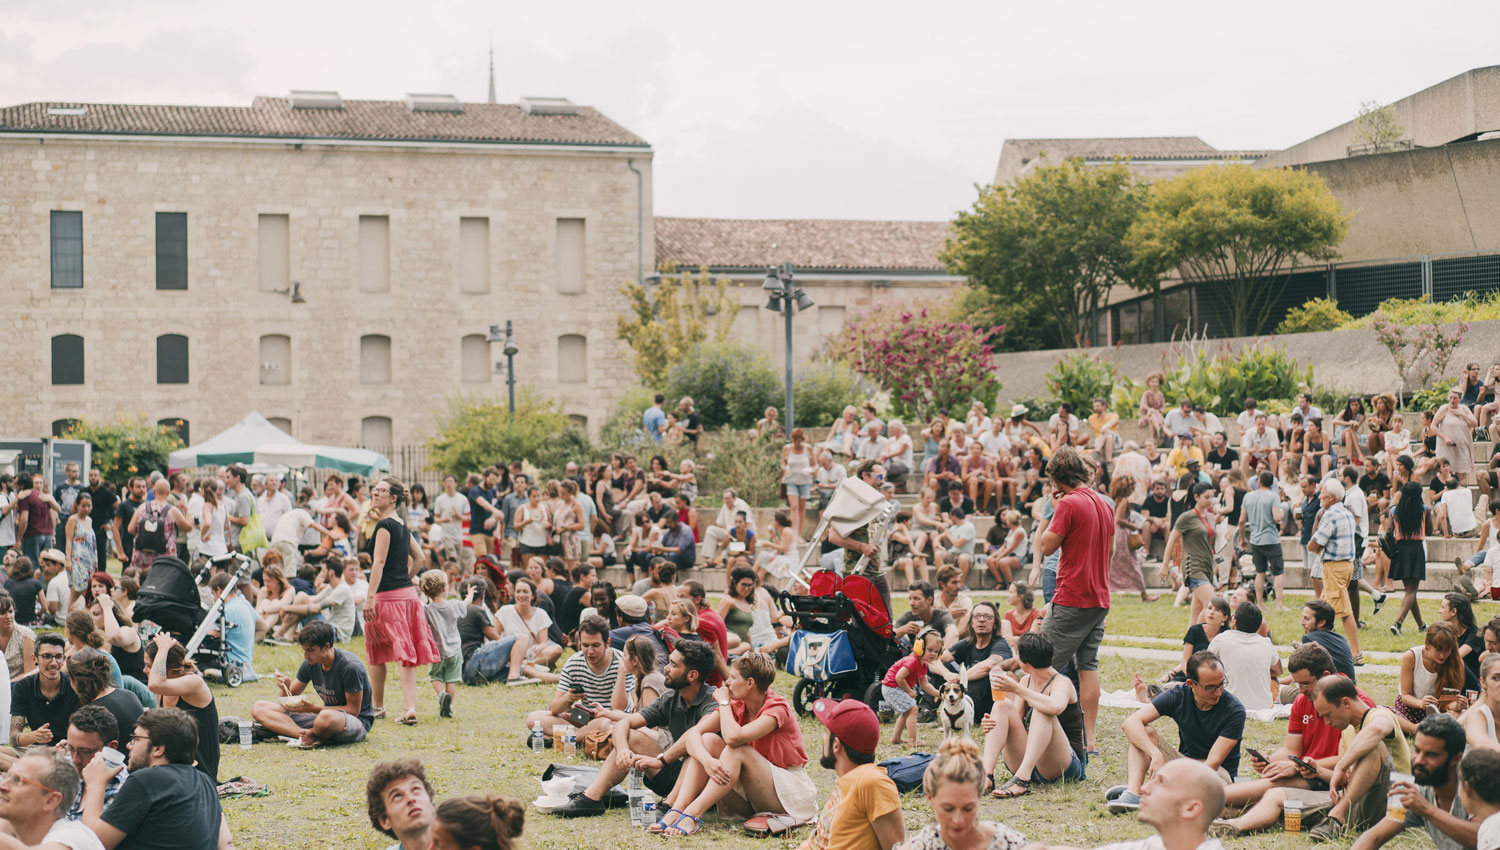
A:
x,y
10,777
1212,688
133,738
50,656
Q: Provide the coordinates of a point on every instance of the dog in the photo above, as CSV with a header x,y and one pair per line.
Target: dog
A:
x,y
956,707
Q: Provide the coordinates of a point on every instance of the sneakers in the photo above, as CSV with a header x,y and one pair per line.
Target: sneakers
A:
x,y
1222,828
1379,601
1113,792
445,704
1396,629
580,806
1126,802
1329,830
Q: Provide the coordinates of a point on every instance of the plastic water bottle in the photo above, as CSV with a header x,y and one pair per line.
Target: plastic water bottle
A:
x,y
570,742
244,734
634,789
538,738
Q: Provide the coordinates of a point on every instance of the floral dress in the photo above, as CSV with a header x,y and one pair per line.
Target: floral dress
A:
x,y
567,514
930,838
84,559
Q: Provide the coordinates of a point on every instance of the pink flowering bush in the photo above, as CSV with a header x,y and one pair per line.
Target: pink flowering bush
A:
x,y
921,356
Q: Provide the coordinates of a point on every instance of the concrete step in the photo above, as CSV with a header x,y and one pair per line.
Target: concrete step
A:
x,y
1439,549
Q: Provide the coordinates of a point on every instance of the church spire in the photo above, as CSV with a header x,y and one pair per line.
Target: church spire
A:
x,y
492,69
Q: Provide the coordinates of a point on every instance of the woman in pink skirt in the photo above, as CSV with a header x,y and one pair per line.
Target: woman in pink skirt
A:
x,y
395,629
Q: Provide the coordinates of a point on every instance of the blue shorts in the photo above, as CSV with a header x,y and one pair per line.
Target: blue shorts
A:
x,y
801,491
1074,772
1195,583
1049,585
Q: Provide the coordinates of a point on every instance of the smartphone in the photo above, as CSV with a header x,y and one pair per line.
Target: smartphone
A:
x,y
1305,764
1256,754
1452,691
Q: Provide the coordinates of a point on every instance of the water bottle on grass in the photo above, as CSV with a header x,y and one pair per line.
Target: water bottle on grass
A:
x,y
538,738
635,790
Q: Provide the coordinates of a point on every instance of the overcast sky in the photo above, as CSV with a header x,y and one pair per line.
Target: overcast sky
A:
x,y
785,109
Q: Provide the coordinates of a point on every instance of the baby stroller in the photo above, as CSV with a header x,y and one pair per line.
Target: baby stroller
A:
x,y
169,600
843,643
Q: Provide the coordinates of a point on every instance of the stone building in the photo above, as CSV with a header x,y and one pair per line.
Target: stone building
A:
x,y
845,266
1150,157
333,264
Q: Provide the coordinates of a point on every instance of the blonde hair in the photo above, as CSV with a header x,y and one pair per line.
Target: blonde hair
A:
x,y
957,760
433,584
689,612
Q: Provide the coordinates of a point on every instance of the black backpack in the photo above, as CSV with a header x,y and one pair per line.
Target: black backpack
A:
x,y
151,531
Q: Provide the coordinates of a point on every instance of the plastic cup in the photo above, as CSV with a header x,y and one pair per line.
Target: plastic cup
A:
x,y
997,693
1394,810
1473,696
245,738
1291,811
557,736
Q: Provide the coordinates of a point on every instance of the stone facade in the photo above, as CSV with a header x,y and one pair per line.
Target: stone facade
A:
x,y
323,187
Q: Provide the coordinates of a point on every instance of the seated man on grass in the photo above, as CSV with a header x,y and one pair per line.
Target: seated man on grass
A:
x,y
745,757
1179,803
1432,800
1250,660
588,675
1311,738
341,682
686,703
1210,724
1039,732
334,601
43,785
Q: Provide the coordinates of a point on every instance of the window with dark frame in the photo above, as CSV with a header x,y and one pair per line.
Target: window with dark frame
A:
x,y
171,359
67,249
67,359
171,250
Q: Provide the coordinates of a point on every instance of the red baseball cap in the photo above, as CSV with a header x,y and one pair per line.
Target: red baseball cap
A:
x,y
851,721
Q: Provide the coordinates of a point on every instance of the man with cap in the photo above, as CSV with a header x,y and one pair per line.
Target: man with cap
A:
x,y
632,612
55,574
864,808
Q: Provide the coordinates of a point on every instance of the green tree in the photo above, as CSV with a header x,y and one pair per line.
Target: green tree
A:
x,y
1052,243
682,312
127,447
1239,233
731,384
1377,127
474,433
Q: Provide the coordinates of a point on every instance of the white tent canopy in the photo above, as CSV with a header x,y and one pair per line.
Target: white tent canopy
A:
x,y
254,440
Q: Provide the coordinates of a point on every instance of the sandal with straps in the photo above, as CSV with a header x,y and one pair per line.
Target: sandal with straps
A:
x,y
1012,789
677,825
661,824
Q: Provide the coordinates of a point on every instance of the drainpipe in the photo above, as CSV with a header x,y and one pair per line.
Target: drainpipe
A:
x,y
640,222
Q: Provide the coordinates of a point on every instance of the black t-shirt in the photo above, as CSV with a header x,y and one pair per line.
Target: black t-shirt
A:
x,y
1475,642
124,513
656,512
478,515
691,423
1196,637
1157,507
1199,730
124,705
25,592
572,608
945,505
343,677
471,628
1222,460
554,631
397,572
676,715
166,807
27,700
967,653
560,590
1379,483
103,511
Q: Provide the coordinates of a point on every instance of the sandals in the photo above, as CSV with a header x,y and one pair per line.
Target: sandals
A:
x,y
408,719
661,824
677,825
379,713
1012,789
771,824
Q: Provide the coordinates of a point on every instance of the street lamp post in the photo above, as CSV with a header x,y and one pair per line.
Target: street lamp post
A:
x,y
510,350
786,298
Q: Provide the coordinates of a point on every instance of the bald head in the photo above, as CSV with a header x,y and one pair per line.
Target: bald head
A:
x,y
1184,796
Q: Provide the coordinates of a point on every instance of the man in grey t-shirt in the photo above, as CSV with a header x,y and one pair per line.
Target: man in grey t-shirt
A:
x,y
1260,524
241,504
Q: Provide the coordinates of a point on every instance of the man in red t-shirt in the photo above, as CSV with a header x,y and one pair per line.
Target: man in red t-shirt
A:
x,y
710,626
1083,527
1308,737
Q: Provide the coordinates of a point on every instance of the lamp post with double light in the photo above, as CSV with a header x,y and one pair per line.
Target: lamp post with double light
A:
x,y
786,298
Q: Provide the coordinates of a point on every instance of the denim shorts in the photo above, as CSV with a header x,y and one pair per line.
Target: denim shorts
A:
x,y
801,491
1049,585
1074,772
1195,583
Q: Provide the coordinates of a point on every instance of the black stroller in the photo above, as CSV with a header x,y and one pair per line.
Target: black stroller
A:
x,y
169,599
843,643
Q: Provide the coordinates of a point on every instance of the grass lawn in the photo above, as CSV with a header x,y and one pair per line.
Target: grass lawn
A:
x,y
320,793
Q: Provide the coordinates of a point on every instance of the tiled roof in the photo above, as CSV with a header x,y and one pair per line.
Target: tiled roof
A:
x,y
1138,147
805,243
360,120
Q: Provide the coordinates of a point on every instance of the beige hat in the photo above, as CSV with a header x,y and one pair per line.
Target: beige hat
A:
x,y
631,606
54,555
1017,410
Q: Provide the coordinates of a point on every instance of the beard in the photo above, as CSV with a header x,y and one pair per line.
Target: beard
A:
x,y
1430,778
827,761
676,684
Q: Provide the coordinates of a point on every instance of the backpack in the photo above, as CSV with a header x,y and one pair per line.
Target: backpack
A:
x,y
907,771
151,531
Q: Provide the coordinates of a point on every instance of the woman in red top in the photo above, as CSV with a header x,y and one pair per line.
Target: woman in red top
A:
x,y
1022,616
747,755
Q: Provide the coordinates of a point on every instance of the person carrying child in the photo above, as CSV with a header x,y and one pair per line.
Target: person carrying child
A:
x,y
905,676
442,616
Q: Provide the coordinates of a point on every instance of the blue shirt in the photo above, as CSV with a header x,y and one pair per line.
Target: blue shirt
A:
x,y
1309,517
478,515
1051,561
1336,534
241,638
1260,517
652,420
683,541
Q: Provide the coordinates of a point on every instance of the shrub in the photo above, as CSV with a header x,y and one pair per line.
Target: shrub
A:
x,y
731,384
1421,352
1470,307
1037,409
736,459
682,312
1431,398
127,447
822,391
1080,378
474,433
623,427
1318,314
920,356
1221,381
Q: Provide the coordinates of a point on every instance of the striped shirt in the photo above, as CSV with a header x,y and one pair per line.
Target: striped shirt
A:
x,y
1336,534
598,687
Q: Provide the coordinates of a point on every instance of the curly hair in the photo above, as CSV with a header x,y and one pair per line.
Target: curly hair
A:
x,y
381,776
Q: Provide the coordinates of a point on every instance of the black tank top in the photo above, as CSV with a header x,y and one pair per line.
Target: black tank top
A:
x,y
1071,721
207,718
132,664
397,572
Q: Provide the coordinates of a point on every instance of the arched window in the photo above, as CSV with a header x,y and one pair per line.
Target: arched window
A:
x,y
67,359
171,359
375,359
572,358
375,432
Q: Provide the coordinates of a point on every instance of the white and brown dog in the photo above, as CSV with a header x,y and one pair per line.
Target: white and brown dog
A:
x,y
955,707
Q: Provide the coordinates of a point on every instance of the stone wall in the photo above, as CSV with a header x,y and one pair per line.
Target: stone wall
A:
x,y
324,189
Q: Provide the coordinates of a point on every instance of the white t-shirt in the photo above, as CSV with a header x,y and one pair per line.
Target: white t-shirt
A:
x,y
1246,419
1255,439
963,537
338,607
57,591
73,835
274,508
903,446
994,443
1460,510
828,479
453,509
1489,833
8,523
292,525
1247,660
512,624
1354,500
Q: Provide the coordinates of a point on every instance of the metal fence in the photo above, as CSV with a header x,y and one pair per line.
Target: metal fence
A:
x,y
410,464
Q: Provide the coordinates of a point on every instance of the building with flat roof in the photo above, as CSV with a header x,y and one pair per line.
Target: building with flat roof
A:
x,y
1150,157
335,264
